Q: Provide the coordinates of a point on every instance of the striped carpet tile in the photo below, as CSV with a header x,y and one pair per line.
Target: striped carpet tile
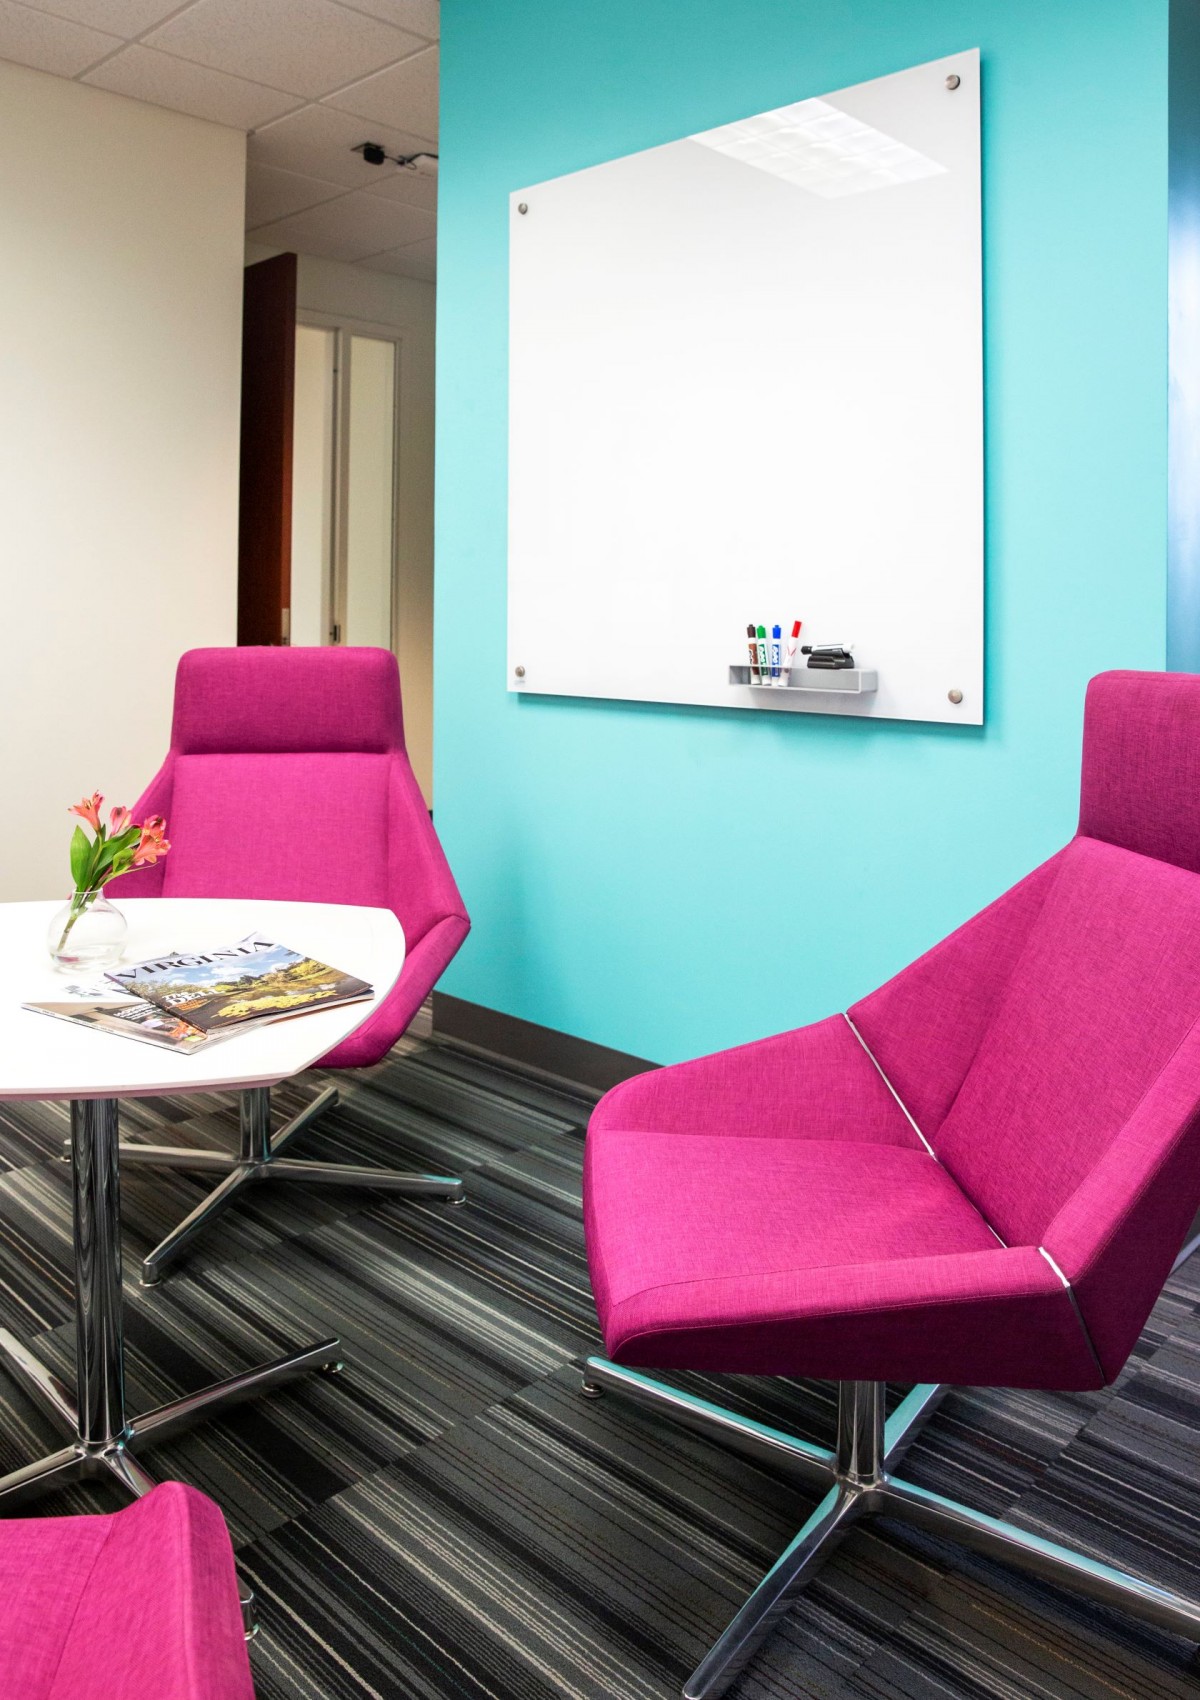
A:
x,y
449,1520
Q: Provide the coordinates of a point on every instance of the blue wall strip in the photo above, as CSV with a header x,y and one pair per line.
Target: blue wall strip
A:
x,y
1183,537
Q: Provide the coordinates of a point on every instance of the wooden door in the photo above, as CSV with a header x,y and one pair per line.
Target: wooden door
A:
x,y
265,498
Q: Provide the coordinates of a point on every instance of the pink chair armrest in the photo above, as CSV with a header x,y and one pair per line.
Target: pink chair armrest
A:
x,y
159,1618
155,800
423,967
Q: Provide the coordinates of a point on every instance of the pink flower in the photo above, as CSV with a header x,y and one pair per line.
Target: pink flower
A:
x,y
118,821
152,843
89,810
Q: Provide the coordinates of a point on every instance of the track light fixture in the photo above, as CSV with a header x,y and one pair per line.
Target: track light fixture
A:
x,y
375,154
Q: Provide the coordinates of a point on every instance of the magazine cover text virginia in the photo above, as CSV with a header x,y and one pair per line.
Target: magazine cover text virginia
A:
x,y
249,981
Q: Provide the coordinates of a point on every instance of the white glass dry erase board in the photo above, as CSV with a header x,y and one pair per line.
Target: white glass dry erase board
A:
x,y
746,387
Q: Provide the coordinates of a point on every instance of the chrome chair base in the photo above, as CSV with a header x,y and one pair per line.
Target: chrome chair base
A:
x,y
857,1476
261,1158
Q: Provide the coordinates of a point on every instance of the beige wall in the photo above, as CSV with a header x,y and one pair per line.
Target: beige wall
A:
x,y
350,295
120,296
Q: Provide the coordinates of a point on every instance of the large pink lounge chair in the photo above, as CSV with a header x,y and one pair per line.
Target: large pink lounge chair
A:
x,y
980,1174
287,778
138,1605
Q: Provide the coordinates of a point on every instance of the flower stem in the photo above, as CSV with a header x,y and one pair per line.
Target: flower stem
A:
x,y
80,903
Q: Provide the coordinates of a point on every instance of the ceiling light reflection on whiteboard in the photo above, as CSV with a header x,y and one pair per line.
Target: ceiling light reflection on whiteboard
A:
x,y
816,146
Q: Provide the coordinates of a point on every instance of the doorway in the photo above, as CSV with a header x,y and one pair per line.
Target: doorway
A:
x,y
344,485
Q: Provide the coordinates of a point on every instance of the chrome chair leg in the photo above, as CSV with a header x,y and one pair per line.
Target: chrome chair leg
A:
x,y
260,1157
773,1597
1192,1245
857,1475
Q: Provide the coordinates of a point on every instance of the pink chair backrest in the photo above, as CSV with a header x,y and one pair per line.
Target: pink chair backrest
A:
x,y
1049,1049
288,778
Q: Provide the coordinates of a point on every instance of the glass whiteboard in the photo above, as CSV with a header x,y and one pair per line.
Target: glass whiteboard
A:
x,y
746,387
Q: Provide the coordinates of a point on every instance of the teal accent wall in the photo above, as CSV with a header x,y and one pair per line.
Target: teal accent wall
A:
x,y
1183,550
672,880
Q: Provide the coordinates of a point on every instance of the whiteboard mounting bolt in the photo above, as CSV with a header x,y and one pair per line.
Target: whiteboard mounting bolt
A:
x,y
953,80
522,206
519,671
955,696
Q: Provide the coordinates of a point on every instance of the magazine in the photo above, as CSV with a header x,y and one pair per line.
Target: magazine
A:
x,y
132,1018
254,980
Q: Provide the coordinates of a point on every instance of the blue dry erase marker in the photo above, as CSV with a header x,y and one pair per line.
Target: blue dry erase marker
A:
x,y
776,651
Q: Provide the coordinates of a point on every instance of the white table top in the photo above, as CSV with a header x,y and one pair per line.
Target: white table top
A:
x,y
41,1057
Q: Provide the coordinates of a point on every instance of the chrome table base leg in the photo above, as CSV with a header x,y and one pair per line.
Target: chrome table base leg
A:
x,y
193,1225
261,1158
859,1481
101,1431
41,1383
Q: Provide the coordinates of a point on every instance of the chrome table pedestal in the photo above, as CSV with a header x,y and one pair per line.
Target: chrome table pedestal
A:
x,y
103,1435
261,1158
857,1474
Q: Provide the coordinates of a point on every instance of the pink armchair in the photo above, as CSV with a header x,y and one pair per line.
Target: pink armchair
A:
x,y
262,740
980,1174
139,1605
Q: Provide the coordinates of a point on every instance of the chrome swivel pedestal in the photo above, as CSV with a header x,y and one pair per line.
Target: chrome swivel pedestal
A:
x,y
261,1158
858,1477
103,1435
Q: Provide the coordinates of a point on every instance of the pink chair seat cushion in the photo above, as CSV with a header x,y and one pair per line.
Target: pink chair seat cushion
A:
x,y
770,1209
139,1605
737,1252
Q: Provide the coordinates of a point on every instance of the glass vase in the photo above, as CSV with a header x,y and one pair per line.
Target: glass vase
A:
x,y
87,932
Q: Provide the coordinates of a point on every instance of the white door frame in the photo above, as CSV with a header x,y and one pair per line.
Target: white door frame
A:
x,y
343,328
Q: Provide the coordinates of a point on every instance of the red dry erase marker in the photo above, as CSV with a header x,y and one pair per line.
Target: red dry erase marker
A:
x,y
789,652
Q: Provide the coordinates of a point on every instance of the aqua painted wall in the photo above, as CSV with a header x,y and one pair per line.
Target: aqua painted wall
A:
x,y
668,881
1183,507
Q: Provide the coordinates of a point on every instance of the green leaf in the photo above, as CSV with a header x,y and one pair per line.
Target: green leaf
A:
x,y
80,856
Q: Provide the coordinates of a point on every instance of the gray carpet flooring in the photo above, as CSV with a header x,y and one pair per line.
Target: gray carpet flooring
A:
x,y
449,1520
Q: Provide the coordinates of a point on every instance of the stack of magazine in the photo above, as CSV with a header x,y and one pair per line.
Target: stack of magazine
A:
x,y
186,1001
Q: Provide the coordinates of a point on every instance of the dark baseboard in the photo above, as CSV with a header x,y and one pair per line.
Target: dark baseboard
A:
x,y
575,1061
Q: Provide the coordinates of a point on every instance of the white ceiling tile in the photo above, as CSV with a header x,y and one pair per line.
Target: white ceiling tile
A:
x,y
423,16
165,81
317,142
272,194
346,229
418,259
50,44
405,95
309,47
126,17
414,188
